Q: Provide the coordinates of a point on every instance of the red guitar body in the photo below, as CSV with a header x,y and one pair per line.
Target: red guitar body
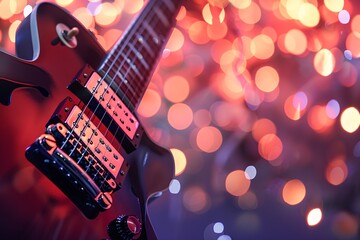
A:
x,y
37,80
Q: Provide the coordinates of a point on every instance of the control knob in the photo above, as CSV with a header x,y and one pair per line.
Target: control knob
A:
x,y
124,228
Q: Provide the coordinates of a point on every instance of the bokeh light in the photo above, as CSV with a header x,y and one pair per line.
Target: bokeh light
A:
x,y
314,217
336,171
183,110
293,192
350,119
180,161
237,184
270,147
209,139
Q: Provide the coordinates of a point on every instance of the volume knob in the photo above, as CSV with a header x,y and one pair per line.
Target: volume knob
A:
x,y
124,228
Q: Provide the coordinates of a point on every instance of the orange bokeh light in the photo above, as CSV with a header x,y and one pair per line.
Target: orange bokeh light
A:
x,y
150,103
262,47
336,171
267,79
270,147
197,32
176,40
350,119
324,62
319,120
180,161
174,113
236,183
209,139
84,16
176,89
263,127
295,42
293,192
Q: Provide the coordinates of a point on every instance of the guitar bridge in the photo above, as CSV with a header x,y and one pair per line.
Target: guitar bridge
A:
x,y
79,159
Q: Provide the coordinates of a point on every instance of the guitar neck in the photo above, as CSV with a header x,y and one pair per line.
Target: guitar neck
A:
x,y
130,64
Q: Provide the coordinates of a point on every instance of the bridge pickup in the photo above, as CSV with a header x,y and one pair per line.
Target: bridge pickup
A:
x,y
80,160
95,140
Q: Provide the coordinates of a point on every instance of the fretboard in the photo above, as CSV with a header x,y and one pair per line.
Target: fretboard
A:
x,y
131,62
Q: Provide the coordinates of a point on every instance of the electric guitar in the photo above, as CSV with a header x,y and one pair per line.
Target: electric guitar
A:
x,y
72,114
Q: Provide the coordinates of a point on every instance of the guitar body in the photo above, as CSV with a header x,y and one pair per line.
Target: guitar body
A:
x,y
31,206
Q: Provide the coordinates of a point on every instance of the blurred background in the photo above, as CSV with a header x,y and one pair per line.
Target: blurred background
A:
x,y
259,102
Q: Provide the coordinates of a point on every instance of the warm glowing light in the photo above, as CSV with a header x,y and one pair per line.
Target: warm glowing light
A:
x,y
334,6
263,127
227,59
295,42
292,7
293,192
219,47
174,113
64,3
236,183
133,6
107,14
209,139
262,46
180,161
336,171
251,14
217,31
150,103
18,6
111,36
324,62
176,40
195,199
176,89
270,147
197,32
355,25
240,4
213,14
319,120
293,108
314,217
84,16
267,79
5,9
350,119
353,43
12,30
229,87
309,15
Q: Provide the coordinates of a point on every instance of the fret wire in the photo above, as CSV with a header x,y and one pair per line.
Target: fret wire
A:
x,y
154,18
110,68
134,82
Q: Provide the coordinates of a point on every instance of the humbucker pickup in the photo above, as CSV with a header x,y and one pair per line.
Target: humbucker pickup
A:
x,y
78,158
108,104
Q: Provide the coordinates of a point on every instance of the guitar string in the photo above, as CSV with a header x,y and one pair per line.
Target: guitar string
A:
x,y
90,118
105,89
